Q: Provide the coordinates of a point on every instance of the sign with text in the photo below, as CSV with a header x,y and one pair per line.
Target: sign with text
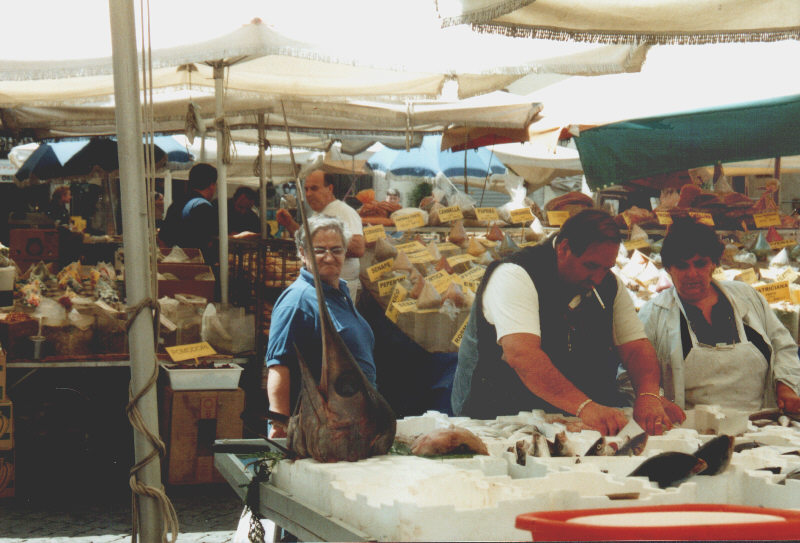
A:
x,y
748,276
406,306
664,217
775,292
460,333
451,213
527,244
440,280
718,274
781,243
473,274
522,215
702,218
408,222
190,351
420,257
410,247
765,220
455,260
374,233
486,213
376,271
789,274
630,245
398,295
557,218
386,286
447,247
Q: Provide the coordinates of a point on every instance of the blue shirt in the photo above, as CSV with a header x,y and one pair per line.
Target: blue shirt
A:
x,y
296,321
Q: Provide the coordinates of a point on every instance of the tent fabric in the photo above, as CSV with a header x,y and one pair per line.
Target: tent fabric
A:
x,y
537,164
623,151
630,21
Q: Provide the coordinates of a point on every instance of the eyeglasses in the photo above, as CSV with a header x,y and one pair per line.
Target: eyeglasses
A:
x,y
335,251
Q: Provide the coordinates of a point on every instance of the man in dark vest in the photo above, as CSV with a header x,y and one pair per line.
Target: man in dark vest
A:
x,y
548,330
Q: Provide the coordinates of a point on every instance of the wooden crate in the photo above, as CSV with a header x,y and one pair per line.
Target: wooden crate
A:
x,y
6,425
190,422
7,479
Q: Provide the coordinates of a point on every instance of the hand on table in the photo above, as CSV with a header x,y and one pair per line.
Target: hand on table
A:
x,y
607,420
787,399
655,415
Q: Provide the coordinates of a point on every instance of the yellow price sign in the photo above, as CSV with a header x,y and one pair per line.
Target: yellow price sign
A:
x,y
451,213
406,306
718,274
748,276
420,257
636,244
486,213
473,274
375,272
374,233
190,351
557,218
440,280
460,333
664,217
788,275
522,215
408,222
702,218
775,292
459,259
780,244
410,247
765,220
386,286
447,247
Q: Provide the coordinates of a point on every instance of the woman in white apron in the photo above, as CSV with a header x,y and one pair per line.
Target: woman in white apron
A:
x,y
718,342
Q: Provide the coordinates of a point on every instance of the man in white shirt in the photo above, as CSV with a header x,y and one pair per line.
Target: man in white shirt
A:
x,y
549,327
319,194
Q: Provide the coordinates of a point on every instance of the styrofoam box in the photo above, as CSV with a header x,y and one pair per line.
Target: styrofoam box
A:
x,y
216,378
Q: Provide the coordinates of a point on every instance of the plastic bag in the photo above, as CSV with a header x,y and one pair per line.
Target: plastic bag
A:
x,y
50,312
228,329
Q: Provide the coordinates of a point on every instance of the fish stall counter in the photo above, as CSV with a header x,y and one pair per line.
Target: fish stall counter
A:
x,y
535,462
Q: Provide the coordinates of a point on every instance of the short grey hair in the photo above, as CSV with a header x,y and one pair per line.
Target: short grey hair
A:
x,y
321,222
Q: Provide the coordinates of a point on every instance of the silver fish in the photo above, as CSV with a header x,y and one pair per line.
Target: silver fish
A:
x,y
634,446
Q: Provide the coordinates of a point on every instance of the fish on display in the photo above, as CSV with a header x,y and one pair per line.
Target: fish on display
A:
x,y
634,446
746,446
669,468
561,445
541,447
522,449
450,440
716,453
794,474
343,417
600,448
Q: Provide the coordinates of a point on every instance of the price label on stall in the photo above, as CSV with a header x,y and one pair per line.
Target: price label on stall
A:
x,y
473,274
420,257
189,351
440,280
374,233
775,292
410,247
409,222
386,286
702,218
375,272
527,244
460,334
748,276
520,216
664,217
718,274
557,218
781,243
451,213
486,213
765,220
789,275
398,295
630,245
455,260
447,247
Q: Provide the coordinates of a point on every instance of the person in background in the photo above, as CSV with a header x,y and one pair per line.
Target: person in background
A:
x,y
548,329
242,220
57,210
717,342
319,194
296,320
193,221
393,196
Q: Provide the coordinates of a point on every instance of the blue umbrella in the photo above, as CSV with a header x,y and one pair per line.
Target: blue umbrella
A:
x,y
47,161
428,160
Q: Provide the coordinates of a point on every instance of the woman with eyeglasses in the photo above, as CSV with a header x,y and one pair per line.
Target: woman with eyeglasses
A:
x,y
718,342
296,320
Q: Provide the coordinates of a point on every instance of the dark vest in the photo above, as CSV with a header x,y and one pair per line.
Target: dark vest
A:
x,y
578,341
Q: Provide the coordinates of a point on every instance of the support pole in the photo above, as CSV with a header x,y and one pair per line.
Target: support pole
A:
x,y
137,273
222,182
262,175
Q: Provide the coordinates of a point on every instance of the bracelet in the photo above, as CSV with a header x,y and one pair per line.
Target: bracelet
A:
x,y
583,404
653,394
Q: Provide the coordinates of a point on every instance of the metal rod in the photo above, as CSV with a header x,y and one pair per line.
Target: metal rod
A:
x,y
134,220
222,182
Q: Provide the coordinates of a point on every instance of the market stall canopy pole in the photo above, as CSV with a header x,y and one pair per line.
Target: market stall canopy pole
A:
x,y
623,151
630,21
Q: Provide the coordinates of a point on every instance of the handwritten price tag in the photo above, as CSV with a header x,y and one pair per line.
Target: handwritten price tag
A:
x,y
702,218
459,259
747,276
636,244
190,350
386,286
664,217
486,213
440,280
452,213
375,272
788,275
473,274
557,218
408,222
519,216
780,244
410,247
420,257
374,233
775,292
765,220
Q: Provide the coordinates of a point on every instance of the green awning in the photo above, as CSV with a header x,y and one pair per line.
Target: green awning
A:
x,y
618,152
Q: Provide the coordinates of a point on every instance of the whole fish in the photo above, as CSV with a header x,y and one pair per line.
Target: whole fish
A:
x,y
600,448
541,447
794,474
669,468
747,445
561,446
716,453
634,446
343,417
451,440
522,449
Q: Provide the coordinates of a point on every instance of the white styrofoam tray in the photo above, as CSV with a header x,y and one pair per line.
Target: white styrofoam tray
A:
x,y
216,378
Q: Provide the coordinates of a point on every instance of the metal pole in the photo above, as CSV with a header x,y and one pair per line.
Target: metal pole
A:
x,y
135,226
222,183
262,176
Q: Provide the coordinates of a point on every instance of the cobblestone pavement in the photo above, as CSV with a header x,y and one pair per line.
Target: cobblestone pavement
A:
x,y
206,513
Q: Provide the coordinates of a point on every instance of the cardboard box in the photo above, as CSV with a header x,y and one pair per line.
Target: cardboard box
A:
x,y
14,337
3,374
190,422
6,425
195,255
30,245
7,479
186,282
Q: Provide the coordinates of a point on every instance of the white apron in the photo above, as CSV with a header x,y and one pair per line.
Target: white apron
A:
x,y
726,375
